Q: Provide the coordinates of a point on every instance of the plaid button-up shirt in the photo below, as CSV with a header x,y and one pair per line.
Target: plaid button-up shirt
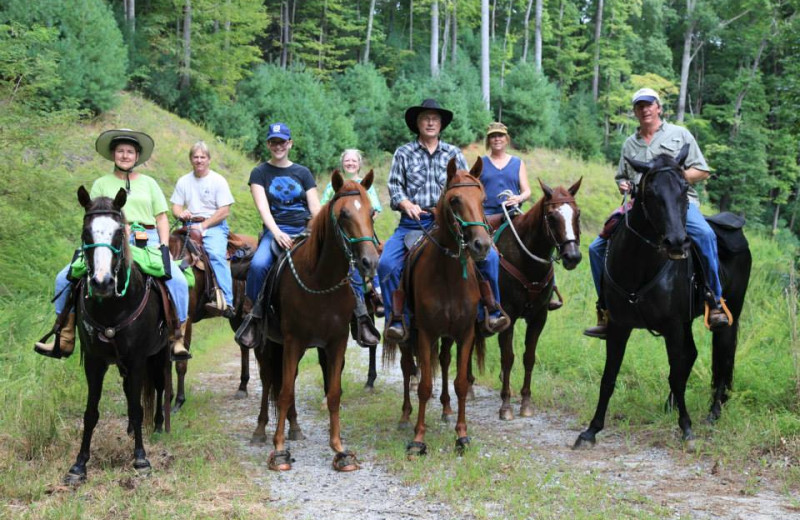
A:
x,y
420,176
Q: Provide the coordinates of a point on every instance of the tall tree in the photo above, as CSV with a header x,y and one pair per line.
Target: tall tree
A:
x,y
485,52
186,62
537,38
598,33
370,19
435,38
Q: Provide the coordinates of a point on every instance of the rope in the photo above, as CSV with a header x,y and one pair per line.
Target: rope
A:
x,y
506,194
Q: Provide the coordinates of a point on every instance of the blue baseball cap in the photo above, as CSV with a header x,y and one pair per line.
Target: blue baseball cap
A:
x,y
279,130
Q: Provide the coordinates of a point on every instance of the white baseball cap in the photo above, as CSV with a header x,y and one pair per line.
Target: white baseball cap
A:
x,y
646,94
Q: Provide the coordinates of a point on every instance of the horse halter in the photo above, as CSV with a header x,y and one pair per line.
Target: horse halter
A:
x,y
347,242
640,189
117,251
556,201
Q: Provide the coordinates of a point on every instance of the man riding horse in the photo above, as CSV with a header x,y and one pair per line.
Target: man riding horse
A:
x,y
416,180
655,137
203,199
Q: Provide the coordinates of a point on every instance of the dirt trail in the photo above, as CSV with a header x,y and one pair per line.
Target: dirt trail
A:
x,y
688,486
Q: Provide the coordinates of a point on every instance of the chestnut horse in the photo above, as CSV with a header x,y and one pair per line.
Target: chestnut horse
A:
x,y
443,295
649,283
183,246
120,321
314,303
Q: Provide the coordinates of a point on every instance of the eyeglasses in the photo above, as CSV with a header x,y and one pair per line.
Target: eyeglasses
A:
x,y
430,119
275,142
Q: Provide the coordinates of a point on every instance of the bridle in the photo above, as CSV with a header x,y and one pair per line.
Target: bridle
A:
x,y
643,203
117,251
457,229
345,241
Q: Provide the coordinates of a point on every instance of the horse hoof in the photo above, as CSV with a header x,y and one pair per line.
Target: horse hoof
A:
x,y
280,461
462,443
583,443
177,406
446,417
258,438
470,393
416,449
74,479
240,394
404,425
296,435
506,414
142,467
526,410
345,461
370,389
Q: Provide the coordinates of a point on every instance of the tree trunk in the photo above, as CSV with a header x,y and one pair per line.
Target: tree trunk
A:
x,y
130,15
737,107
526,38
445,38
485,52
411,25
686,60
435,38
598,31
454,34
284,24
494,17
187,46
369,30
537,37
322,35
505,44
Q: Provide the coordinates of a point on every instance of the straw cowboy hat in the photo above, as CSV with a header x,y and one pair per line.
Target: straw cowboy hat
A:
x,y
141,141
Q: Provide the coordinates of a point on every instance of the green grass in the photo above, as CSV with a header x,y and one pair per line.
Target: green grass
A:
x,y
42,402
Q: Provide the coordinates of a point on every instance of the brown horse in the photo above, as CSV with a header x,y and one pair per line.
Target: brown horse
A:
x,y
311,307
443,295
184,246
526,246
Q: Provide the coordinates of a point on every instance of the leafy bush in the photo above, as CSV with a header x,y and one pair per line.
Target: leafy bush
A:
x,y
531,108
367,96
91,56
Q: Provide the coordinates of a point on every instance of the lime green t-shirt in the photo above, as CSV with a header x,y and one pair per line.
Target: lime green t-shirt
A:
x,y
145,201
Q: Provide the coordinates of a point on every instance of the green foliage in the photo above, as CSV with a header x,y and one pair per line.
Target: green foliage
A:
x,y
89,50
531,108
318,118
367,96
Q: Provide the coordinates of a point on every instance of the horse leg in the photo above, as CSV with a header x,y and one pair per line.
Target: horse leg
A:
x,y
264,371
342,460
244,377
444,365
506,341
424,391
408,368
156,369
95,370
461,386
682,353
372,373
532,333
133,391
280,460
181,366
722,362
616,341
295,432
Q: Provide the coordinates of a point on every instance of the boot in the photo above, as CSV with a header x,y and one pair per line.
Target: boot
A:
x,y
247,306
179,352
377,304
495,320
395,328
601,329
364,331
556,301
64,343
717,318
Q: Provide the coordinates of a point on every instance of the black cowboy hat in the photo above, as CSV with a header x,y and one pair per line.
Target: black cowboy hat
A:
x,y
429,104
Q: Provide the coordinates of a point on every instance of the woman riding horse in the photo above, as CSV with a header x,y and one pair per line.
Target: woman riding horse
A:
x,y
146,210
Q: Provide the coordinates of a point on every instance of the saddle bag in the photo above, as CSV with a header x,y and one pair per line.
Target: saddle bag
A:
x,y
728,228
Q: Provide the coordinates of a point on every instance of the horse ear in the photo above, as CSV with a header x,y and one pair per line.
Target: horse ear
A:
x,y
641,167
477,168
548,191
83,197
574,188
121,198
451,169
366,182
681,157
336,180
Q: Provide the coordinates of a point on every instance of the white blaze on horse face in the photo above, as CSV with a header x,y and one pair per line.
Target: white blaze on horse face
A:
x,y
103,229
567,213
357,204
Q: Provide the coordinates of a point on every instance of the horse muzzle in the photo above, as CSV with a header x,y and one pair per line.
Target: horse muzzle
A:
x,y
479,246
677,249
102,287
367,262
570,255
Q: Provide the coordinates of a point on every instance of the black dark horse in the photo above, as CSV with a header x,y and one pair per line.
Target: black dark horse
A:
x,y
120,321
649,282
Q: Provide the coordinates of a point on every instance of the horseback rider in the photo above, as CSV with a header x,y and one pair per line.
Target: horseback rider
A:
x,y
416,180
203,199
366,333
145,209
655,137
505,180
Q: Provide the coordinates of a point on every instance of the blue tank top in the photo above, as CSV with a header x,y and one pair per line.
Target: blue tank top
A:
x,y
496,181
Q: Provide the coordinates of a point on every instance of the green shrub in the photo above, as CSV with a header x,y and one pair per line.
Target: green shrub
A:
x,y
367,96
531,108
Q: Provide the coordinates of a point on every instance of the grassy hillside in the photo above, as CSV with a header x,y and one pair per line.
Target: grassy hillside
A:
x,y
42,400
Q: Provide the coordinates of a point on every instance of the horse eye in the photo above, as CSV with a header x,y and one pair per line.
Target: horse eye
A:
x,y
455,200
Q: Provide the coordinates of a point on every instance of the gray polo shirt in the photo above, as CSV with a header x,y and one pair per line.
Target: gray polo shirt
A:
x,y
668,139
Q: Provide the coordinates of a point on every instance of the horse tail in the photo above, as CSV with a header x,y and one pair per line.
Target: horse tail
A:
x,y
389,352
274,356
479,347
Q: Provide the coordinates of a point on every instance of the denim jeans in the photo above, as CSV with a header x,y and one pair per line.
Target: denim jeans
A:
x,y
215,242
263,260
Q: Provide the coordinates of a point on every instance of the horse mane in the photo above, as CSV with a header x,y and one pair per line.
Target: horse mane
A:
x,y
321,223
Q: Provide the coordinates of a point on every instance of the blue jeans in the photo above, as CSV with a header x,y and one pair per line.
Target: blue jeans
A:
x,y
701,235
177,287
390,266
263,260
215,242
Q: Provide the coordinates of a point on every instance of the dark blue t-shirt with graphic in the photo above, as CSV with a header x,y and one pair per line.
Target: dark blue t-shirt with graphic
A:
x,y
286,191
